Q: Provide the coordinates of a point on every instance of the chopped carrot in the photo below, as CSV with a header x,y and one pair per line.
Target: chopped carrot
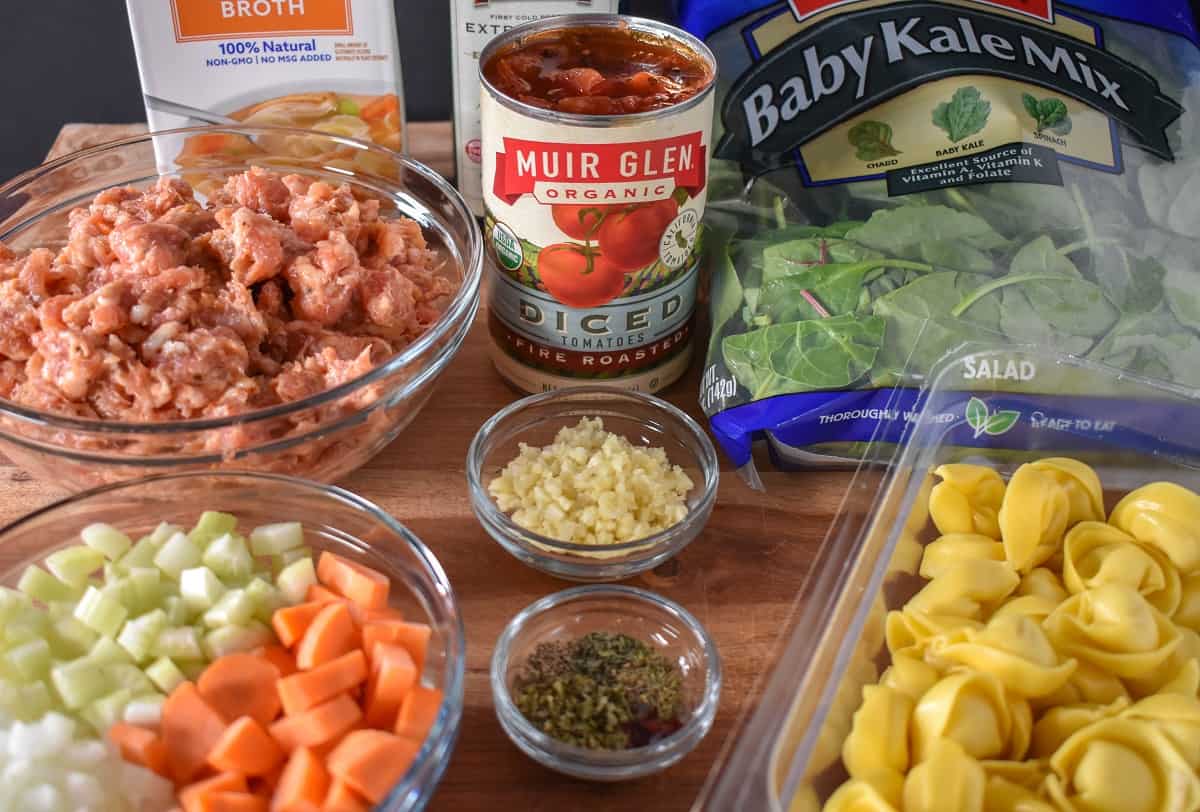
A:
x,y
279,657
190,728
418,712
241,685
380,108
191,797
140,746
303,784
208,143
362,585
265,784
246,747
393,674
342,798
331,634
386,613
233,802
322,594
306,689
413,636
291,622
317,726
371,762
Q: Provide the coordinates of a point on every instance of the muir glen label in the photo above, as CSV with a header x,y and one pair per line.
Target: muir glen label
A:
x,y
593,236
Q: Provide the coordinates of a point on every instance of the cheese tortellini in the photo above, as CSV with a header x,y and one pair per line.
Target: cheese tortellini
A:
x,y
1050,662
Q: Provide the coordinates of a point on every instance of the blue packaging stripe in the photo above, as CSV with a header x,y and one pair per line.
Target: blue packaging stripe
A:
x,y
702,17
1049,422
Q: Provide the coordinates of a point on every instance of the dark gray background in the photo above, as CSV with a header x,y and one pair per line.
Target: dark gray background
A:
x,y
72,60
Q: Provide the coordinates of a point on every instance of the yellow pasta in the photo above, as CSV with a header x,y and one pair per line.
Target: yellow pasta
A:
x,y
1166,516
1121,765
878,740
952,548
1081,484
1049,663
1115,629
1033,517
1095,553
969,588
859,796
967,500
949,780
1177,717
1015,650
972,709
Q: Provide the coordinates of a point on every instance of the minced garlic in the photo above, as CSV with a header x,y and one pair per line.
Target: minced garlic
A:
x,y
592,487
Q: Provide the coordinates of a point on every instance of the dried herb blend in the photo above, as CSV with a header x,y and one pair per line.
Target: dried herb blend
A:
x,y
602,691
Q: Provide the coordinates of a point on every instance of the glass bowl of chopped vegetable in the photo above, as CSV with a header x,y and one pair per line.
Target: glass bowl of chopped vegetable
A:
x,y
606,682
220,621
592,484
244,298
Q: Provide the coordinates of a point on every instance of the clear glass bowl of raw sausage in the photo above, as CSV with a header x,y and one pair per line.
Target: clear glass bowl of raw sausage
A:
x,y
333,520
165,307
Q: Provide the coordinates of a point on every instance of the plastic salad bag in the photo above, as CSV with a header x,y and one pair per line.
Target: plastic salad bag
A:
x,y
894,179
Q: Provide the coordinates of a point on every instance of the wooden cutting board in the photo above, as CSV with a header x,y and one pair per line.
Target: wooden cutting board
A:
x,y
741,577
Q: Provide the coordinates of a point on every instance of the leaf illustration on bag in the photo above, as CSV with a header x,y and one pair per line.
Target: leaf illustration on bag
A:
x,y
872,140
1049,113
964,115
977,415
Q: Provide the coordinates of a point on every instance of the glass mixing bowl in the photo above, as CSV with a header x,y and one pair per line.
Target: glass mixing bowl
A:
x,y
333,519
322,437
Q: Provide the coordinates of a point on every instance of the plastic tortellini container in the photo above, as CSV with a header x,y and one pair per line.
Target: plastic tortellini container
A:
x,y
1013,628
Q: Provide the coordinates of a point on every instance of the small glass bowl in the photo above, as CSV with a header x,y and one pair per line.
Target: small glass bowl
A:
x,y
640,418
572,613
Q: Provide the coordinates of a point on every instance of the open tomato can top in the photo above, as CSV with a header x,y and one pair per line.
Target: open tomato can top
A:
x,y
643,67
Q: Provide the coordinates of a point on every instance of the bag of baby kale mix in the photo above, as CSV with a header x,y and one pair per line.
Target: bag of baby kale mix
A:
x,y
892,180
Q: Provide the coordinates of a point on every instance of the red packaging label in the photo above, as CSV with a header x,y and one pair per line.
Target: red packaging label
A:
x,y
1041,9
641,171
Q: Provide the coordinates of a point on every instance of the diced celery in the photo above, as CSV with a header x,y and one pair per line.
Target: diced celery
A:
x,y
36,700
79,682
32,625
295,580
273,539
177,554
165,674
105,651
141,555
289,557
228,557
145,588
232,639
107,710
12,603
70,638
42,586
200,588
129,677
266,599
60,609
145,710
177,611
101,612
106,539
30,659
73,565
138,635
182,643
163,532
192,669
235,608
211,525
